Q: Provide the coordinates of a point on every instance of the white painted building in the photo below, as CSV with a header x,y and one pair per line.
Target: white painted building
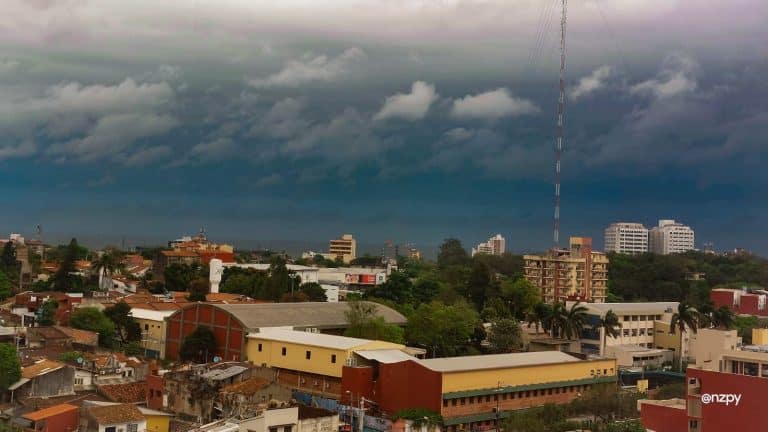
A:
x,y
495,245
626,238
670,237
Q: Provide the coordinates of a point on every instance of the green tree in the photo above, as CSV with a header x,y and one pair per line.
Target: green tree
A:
x,y
314,292
105,265
521,294
199,346
452,253
610,325
365,323
46,315
127,328
5,286
444,330
179,276
505,336
198,289
398,288
64,280
279,281
723,318
10,367
540,316
480,284
89,318
425,289
8,262
685,318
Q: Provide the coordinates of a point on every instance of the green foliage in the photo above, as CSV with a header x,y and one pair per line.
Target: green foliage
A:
x,y
70,356
672,390
444,330
178,277
64,280
46,315
198,289
398,288
366,261
521,296
133,348
199,346
8,263
606,402
92,319
547,418
313,291
128,330
10,368
505,336
42,286
663,277
270,285
625,426
366,324
745,324
5,286
452,254
419,416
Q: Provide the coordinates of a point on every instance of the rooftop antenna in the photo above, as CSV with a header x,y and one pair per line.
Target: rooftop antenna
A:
x,y
560,124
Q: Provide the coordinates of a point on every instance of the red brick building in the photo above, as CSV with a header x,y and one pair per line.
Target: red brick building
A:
x,y
58,418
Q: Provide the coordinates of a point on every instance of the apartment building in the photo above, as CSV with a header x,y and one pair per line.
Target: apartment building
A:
x,y
495,245
627,238
344,248
577,273
670,237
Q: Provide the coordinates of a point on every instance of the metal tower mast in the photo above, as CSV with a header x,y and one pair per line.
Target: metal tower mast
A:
x,y
560,123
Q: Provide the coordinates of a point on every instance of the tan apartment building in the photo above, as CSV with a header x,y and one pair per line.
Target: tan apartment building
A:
x,y
577,273
344,248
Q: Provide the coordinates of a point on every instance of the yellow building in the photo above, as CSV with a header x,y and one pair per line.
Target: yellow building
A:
x,y
578,273
344,248
153,325
157,421
315,353
759,336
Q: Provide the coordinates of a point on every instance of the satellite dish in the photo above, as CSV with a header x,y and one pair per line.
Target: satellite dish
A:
x,y
80,360
216,359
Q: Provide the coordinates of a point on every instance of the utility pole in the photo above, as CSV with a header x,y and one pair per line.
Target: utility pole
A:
x,y
560,125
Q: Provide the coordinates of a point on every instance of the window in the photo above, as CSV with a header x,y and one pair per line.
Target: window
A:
x,y
605,371
471,399
505,395
463,401
445,402
453,402
625,332
626,317
151,393
273,429
284,350
78,381
110,429
487,398
333,358
658,317
146,327
528,393
287,428
634,317
549,391
260,347
133,427
308,355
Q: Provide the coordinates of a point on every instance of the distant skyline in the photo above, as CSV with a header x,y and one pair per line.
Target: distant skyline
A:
x,y
410,120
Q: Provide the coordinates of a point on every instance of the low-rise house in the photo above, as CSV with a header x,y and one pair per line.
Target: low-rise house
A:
x,y
250,394
57,418
113,368
65,338
44,378
112,418
157,421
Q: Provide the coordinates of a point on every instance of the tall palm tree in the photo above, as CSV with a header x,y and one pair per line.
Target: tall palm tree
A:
x,y
686,318
573,321
557,319
610,325
723,318
540,316
706,314
105,266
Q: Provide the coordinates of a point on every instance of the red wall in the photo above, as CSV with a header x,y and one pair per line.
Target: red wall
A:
x,y
394,388
748,416
722,298
664,419
155,389
747,302
229,333
207,256
66,421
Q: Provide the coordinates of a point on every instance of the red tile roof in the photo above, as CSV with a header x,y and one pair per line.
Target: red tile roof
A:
x,y
126,393
116,414
50,412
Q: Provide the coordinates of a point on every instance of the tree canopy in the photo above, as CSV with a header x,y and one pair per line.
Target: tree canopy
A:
x,y
126,327
366,324
10,367
89,318
443,330
199,346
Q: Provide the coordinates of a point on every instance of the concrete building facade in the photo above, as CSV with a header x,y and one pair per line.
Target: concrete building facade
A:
x,y
495,245
344,248
670,237
626,238
577,273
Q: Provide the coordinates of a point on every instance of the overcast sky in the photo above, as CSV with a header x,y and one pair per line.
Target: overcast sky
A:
x,y
299,120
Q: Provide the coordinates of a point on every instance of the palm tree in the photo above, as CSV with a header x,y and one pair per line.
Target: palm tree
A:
x,y
540,316
557,319
105,265
723,318
706,314
573,321
610,325
686,318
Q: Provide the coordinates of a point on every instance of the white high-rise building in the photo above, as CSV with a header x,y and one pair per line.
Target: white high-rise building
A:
x,y
494,246
670,237
626,238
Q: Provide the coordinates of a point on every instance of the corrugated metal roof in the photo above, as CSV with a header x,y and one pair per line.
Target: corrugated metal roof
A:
x,y
152,315
221,374
302,315
385,355
306,338
496,361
